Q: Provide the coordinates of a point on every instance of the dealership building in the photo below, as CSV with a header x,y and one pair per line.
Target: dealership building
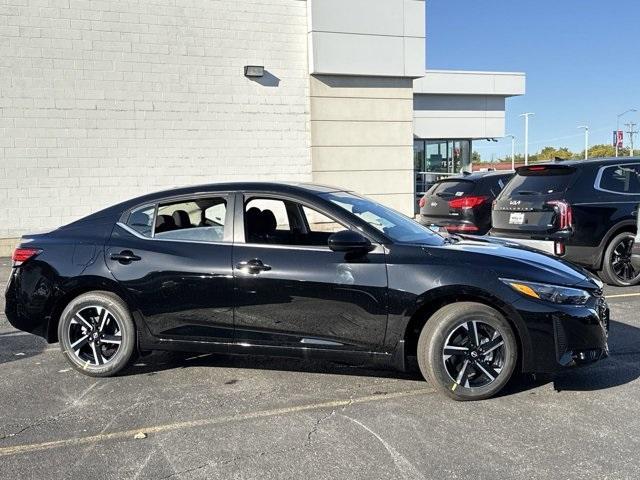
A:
x,y
103,100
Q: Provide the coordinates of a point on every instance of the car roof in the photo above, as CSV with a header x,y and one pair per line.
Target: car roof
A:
x,y
301,189
475,176
590,161
271,187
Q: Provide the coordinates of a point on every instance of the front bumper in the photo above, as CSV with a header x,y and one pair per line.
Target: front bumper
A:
x,y
565,335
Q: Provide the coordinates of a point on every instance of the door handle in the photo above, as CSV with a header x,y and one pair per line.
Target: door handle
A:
x,y
253,266
125,257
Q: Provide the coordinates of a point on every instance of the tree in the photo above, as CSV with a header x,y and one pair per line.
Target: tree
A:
x,y
475,157
604,150
550,153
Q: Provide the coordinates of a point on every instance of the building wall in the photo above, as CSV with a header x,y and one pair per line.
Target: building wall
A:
x,y
104,100
459,116
367,37
362,136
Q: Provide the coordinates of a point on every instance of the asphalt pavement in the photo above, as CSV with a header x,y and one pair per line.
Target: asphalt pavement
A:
x,y
211,416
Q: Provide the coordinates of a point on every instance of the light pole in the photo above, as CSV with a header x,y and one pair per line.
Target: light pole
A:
x,y
526,136
513,150
618,125
586,141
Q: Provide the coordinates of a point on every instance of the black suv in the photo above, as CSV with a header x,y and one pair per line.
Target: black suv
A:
x,y
462,204
582,210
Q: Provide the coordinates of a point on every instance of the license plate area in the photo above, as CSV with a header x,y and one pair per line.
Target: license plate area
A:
x,y
516,218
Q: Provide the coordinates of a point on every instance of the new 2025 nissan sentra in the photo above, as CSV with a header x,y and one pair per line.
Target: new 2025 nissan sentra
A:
x,y
301,270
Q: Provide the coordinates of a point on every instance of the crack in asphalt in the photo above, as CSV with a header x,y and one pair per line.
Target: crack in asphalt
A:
x,y
259,454
65,412
314,430
233,459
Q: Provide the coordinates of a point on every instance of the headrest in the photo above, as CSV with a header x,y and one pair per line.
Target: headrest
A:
x,y
268,221
164,223
181,218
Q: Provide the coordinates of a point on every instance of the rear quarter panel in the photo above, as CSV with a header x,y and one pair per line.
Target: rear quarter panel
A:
x,y
71,262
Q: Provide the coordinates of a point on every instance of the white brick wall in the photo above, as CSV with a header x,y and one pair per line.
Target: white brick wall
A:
x,y
104,100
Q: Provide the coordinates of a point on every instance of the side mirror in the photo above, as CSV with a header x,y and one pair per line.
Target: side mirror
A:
x,y
349,241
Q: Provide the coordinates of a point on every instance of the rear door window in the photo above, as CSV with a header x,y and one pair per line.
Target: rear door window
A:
x,y
539,180
200,219
623,179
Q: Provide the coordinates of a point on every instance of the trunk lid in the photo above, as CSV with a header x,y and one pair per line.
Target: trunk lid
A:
x,y
437,198
529,202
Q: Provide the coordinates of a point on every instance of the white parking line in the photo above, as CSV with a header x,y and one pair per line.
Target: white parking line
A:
x,y
170,427
623,295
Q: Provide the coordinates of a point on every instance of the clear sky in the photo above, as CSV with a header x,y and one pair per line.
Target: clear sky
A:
x,y
581,58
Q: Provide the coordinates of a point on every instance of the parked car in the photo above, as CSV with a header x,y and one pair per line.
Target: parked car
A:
x,y
582,210
635,252
463,203
301,270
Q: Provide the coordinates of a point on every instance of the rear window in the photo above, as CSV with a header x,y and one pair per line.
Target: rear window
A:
x,y
539,180
452,188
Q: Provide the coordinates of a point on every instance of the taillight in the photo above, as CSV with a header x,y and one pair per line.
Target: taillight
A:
x,y
565,213
422,202
21,255
467,202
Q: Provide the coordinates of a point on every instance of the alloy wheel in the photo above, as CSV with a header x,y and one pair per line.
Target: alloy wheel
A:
x,y
621,260
95,335
474,354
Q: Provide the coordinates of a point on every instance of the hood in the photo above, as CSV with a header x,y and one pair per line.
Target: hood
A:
x,y
521,263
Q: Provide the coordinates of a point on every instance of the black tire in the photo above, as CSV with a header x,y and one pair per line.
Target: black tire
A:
x,y
617,268
81,318
453,320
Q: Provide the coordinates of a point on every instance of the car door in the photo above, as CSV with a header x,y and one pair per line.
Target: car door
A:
x,y
292,290
173,258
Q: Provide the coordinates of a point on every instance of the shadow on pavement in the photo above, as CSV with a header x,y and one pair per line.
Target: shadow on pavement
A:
x,y
623,366
158,361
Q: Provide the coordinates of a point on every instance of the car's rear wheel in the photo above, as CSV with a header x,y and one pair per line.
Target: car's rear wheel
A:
x,y
97,334
617,268
468,351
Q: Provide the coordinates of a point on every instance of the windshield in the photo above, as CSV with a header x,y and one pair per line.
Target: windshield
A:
x,y
393,224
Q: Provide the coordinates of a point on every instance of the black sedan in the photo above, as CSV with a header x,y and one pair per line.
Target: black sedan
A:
x,y
301,270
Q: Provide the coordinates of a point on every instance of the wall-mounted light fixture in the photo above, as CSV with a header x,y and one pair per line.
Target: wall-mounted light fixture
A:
x,y
254,71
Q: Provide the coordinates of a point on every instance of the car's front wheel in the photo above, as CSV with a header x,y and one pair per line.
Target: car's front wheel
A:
x,y
617,267
97,334
468,351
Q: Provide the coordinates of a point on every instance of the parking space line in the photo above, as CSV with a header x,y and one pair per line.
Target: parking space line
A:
x,y
169,427
623,295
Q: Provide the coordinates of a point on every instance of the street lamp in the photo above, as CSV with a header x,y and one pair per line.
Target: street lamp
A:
x,y
618,125
513,150
586,141
526,136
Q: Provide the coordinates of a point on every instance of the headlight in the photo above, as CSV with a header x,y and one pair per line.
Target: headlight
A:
x,y
549,293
